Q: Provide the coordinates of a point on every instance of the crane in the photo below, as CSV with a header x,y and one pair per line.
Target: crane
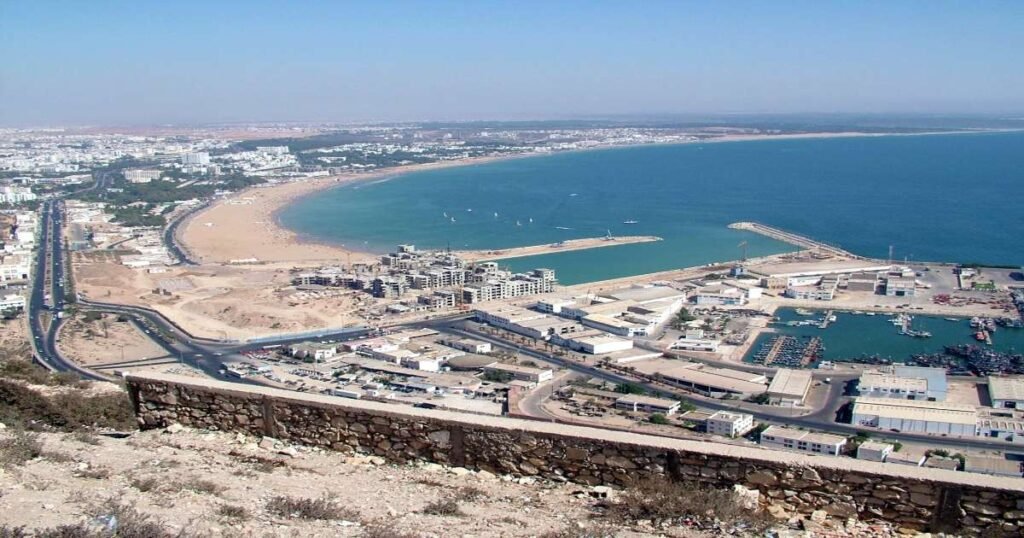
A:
x,y
743,245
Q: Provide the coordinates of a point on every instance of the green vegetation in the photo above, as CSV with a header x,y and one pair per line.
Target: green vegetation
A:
x,y
682,318
629,388
497,377
658,418
761,399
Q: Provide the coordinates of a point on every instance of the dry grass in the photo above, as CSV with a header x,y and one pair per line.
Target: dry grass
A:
x,y
316,509
67,411
18,449
382,529
663,501
96,473
443,507
234,512
144,484
574,531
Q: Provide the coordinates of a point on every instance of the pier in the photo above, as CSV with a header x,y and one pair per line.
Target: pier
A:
x,y
561,246
793,239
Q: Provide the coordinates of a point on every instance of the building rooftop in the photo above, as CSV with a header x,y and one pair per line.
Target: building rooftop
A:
x,y
916,410
876,446
1001,466
727,415
518,368
891,381
905,456
646,400
645,294
812,268
1006,388
939,462
790,383
698,374
782,432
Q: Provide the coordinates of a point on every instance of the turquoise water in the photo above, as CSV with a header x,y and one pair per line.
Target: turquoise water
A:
x,y
853,335
944,198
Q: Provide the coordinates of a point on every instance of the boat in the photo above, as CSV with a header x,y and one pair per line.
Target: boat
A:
x,y
519,223
630,222
562,228
495,214
453,219
870,313
574,194
469,209
531,219
804,312
952,319
445,214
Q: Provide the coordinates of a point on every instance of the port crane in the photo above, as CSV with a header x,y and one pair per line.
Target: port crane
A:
x,y
743,245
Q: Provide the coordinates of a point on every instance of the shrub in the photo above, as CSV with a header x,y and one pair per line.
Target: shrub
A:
x,y
18,449
68,411
658,418
323,508
573,531
231,511
663,501
199,485
97,473
470,494
12,532
87,438
443,507
144,484
383,529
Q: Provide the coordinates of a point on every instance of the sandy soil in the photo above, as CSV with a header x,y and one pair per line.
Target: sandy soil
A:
x,y
101,341
14,333
220,301
47,492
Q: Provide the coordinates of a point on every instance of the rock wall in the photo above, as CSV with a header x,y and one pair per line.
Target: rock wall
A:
x,y
927,499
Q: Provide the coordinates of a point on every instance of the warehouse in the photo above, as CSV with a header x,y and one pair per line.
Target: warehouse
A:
x,y
916,416
706,380
1006,392
907,382
992,466
874,451
789,387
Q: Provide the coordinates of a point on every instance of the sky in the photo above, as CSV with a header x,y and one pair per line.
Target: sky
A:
x,y
146,62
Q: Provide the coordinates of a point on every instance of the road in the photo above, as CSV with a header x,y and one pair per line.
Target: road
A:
x,y
171,238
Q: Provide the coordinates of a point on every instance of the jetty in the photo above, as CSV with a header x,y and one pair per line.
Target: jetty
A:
x,y
561,246
793,239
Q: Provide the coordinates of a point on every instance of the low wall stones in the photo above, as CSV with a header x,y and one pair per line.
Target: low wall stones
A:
x,y
927,499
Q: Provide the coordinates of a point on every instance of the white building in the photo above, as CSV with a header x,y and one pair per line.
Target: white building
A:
x,y
195,159
141,176
729,424
647,404
789,387
803,441
916,416
992,466
695,344
315,351
11,194
595,343
907,382
521,373
1006,392
874,451
12,301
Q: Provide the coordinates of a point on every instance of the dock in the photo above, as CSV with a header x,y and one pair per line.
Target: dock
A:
x,y
561,246
793,239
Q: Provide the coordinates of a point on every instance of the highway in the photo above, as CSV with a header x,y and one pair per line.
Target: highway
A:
x,y
171,241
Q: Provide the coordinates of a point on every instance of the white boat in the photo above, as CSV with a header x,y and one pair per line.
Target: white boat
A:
x,y
531,219
519,223
495,214
629,222
453,219
470,210
562,228
445,214
574,194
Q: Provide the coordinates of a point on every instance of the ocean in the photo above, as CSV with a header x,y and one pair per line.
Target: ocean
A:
x,y
953,197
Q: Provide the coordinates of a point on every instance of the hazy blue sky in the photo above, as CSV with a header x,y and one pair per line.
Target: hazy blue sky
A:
x,y
94,61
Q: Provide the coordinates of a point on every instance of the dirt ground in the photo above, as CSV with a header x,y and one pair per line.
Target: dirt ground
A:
x,y
14,333
152,471
219,301
105,341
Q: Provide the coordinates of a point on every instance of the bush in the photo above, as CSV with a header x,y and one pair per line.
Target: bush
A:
x,y
662,501
593,531
69,411
231,511
119,521
144,484
658,418
18,449
443,507
382,529
199,485
12,532
321,509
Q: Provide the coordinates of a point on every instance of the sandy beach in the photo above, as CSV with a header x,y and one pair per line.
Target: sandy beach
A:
x,y
244,227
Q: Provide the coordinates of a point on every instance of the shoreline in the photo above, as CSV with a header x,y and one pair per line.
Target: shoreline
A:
x,y
273,242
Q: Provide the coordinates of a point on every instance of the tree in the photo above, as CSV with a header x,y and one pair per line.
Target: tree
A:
x,y
629,388
658,418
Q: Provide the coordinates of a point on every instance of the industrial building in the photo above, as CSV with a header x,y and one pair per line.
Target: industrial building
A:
x,y
915,416
789,387
706,380
520,372
594,342
782,275
647,404
1006,392
802,441
1007,429
906,382
729,424
992,466
823,290
874,451
906,457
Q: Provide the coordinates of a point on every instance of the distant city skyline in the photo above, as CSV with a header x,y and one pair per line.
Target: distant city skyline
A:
x,y
111,63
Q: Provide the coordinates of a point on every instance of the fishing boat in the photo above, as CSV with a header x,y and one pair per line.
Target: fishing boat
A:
x,y
803,312
952,319
630,222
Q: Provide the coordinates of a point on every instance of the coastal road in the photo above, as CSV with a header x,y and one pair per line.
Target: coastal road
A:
x,y
170,236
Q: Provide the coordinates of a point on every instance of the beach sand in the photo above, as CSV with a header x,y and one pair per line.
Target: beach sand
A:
x,y
244,226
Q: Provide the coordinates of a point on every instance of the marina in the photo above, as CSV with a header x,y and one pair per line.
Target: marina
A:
x,y
883,339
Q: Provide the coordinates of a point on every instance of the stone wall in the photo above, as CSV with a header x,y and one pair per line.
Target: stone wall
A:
x,y
927,499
